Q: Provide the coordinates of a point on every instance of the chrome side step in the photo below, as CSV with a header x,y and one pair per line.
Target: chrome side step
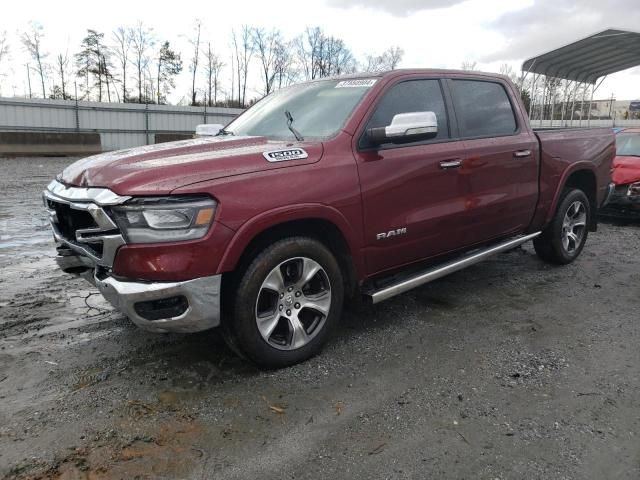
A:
x,y
447,268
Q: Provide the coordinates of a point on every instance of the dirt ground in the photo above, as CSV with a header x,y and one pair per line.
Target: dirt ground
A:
x,y
509,369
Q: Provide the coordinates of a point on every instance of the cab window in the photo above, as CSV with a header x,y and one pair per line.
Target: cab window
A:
x,y
406,97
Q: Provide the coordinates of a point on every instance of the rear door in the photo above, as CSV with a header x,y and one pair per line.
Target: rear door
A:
x,y
500,171
413,207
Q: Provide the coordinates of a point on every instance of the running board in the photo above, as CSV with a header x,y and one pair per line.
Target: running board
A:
x,y
446,268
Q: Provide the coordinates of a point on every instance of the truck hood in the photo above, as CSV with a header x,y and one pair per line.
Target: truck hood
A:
x,y
159,169
626,169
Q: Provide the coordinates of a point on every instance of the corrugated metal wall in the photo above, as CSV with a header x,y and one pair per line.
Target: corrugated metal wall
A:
x,y
537,123
120,125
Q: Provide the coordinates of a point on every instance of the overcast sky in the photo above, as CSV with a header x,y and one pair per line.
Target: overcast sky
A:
x,y
433,33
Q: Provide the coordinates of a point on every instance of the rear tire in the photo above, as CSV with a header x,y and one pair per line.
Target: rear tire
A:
x,y
285,303
562,241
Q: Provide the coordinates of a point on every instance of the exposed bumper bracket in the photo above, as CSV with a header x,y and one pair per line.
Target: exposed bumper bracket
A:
x,y
202,295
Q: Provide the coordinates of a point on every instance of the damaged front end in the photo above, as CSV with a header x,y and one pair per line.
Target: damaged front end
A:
x,y
88,237
624,202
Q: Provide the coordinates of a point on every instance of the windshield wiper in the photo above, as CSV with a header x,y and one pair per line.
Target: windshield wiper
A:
x,y
224,132
296,133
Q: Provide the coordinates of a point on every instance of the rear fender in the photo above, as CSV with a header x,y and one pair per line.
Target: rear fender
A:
x,y
557,197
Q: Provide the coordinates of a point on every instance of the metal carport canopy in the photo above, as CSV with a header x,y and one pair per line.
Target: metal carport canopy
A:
x,y
588,59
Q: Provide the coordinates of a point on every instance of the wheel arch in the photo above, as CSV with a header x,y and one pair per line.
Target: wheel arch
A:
x,y
583,177
323,223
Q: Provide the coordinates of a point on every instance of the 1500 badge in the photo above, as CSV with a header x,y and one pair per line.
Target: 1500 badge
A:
x,y
287,154
391,233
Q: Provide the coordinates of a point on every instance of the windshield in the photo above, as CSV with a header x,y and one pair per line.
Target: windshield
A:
x,y
628,144
318,110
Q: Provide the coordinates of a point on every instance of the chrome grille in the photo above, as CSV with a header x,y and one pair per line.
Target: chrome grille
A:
x,y
80,222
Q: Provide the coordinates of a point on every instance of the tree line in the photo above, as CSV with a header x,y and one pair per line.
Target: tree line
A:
x,y
134,64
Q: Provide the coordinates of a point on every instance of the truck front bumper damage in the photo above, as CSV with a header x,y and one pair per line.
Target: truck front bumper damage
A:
x,y
187,306
88,240
623,203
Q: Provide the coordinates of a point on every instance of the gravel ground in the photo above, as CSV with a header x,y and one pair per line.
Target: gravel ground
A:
x,y
509,369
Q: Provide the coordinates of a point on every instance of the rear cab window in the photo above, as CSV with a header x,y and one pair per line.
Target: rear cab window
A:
x,y
483,109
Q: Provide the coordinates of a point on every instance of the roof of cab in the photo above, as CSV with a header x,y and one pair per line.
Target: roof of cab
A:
x,y
412,71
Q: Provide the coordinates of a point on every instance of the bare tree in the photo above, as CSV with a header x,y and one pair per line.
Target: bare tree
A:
x,y
212,69
107,70
169,65
284,65
243,48
307,47
334,58
141,40
321,55
62,64
195,58
4,46
468,65
387,60
4,52
91,60
393,56
267,46
121,49
507,71
32,41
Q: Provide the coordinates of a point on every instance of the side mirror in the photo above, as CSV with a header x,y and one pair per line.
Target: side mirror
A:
x,y
406,128
208,129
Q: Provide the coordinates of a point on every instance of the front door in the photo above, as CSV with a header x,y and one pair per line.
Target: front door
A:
x,y
413,204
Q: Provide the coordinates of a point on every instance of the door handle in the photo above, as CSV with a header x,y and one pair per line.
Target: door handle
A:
x,y
448,164
522,153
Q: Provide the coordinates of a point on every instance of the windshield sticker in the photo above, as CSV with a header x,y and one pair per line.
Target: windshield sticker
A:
x,y
362,83
288,154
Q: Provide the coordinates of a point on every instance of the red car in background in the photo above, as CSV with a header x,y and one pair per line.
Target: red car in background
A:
x,y
626,174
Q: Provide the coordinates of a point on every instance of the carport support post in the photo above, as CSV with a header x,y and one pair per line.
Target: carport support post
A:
x,y
77,110
146,122
544,94
533,97
565,100
593,87
553,102
584,94
596,86
573,103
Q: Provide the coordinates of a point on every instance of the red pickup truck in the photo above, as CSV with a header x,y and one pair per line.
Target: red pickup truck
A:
x,y
323,192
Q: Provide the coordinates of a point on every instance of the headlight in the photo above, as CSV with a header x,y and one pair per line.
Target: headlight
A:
x,y
164,219
634,189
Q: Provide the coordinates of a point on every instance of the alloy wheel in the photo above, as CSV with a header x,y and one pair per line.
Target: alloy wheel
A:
x,y
574,226
293,303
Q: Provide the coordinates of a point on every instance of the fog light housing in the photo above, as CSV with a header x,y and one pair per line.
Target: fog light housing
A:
x,y
170,307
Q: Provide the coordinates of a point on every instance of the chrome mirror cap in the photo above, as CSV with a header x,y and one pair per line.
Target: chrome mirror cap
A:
x,y
412,124
406,128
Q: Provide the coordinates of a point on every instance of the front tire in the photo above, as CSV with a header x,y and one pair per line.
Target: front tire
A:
x,y
285,303
564,238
